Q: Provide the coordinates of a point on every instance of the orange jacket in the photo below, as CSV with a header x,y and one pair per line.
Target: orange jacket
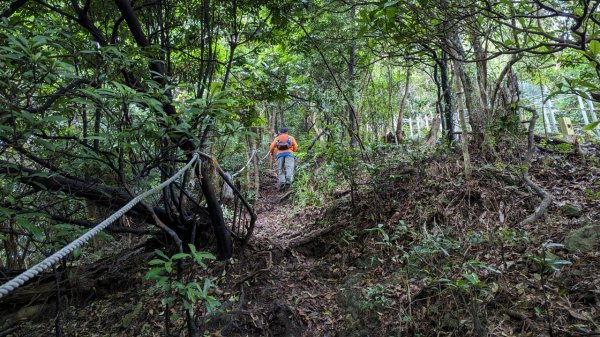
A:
x,y
283,138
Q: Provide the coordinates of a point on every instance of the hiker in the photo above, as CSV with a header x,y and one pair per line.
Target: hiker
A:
x,y
286,146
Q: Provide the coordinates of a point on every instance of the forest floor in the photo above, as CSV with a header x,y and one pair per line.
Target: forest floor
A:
x,y
427,253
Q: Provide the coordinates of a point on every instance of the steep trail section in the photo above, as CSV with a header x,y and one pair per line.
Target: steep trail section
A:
x,y
292,289
278,220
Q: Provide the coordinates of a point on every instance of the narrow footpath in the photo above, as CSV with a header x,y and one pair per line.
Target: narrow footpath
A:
x,y
296,284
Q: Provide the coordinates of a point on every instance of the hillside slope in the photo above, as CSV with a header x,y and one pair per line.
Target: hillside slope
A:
x,y
427,254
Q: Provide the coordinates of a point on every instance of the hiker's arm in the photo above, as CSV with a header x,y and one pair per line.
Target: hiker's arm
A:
x,y
294,145
272,147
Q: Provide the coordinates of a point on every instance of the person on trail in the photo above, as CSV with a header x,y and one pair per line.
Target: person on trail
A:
x,y
286,146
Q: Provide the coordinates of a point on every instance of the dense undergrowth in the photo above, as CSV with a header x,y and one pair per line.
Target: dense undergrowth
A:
x,y
399,244
437,254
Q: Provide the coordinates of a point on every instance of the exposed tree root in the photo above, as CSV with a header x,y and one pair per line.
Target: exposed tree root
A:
x,y
269,265
546,197
546,201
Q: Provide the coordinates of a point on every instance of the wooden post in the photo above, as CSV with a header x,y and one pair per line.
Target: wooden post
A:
x,y
566,128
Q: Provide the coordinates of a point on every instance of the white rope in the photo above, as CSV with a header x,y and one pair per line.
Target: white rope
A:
x,y
254,152
244,167
30,273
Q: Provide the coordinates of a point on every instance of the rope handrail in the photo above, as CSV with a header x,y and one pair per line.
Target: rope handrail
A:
x,y
30,273
254,152
247,163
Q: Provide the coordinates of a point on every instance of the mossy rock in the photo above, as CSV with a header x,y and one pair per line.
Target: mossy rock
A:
x,y
583,239
571,211
363,313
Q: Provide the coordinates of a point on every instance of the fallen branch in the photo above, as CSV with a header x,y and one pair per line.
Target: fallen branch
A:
x,y
311,236
552,141
285,196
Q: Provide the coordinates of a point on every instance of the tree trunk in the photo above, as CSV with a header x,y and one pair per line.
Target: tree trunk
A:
x,y
399,134
224,244
255,166
352,115
463,122
432,137
476,118
482,76
449,112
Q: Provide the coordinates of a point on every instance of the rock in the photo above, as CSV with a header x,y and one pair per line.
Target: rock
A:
x,y
571,211
583,239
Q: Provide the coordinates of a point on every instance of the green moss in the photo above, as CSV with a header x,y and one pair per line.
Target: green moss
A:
x,y
571,211
583,239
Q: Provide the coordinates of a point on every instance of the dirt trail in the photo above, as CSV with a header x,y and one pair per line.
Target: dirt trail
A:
x,y
275,214
297,291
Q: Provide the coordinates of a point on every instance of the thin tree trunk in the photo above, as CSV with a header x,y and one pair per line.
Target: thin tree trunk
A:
x,y
463,122
233,42
352,115
255,165
482,76
476,119
449,112
399,134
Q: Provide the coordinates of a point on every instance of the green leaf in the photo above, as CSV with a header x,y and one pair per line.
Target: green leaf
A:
x,y
179,256
161,254
153,273
207,285
594,47
473,278
156,262
553,245
591,126
168,300
46,144
390,3
24,223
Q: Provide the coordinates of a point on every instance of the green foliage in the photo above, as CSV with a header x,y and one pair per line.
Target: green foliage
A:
x,y
591,127
387,239
376,296
314,183
164,274
549,261
513,236
564,148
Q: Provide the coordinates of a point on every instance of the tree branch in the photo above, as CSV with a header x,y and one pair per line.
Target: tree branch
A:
x,y
13,8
